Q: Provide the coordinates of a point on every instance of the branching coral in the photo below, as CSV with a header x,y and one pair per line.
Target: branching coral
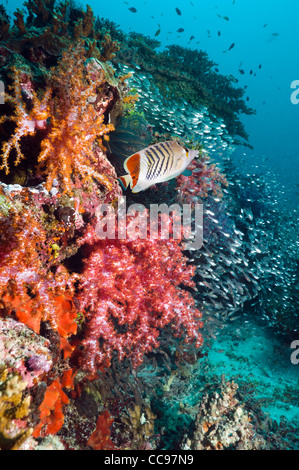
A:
x,y
130,289
186,74
109,47
50,26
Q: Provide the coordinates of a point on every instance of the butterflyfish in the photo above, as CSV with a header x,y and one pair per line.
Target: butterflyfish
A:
x,y
156,164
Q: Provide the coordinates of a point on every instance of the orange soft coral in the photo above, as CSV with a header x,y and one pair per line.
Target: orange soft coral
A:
x,y
100,438
68,111
51,411
27,122
28,286
75,123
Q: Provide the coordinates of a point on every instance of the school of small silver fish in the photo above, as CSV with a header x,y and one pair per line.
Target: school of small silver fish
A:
x,y
179,119
249,259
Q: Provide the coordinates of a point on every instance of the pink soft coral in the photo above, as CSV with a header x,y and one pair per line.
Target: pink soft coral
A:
x,y
131,289
206,178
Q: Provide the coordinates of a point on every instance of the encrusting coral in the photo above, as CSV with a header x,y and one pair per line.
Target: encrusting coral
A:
x,y
223,423
13,409
25,351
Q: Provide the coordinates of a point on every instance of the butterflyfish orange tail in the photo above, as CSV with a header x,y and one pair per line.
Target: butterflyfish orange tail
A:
x,y
125,181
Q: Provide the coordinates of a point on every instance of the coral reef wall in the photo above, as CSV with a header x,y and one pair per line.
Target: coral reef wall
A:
x,y
93,330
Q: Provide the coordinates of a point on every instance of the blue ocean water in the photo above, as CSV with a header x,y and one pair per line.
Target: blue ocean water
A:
x,y
251,26
264,33
255,42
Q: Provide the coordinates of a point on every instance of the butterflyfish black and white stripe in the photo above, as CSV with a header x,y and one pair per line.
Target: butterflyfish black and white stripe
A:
x,y
156,164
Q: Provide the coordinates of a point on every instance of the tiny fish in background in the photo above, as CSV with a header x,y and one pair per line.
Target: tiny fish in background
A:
x,y
178,11
158,31
133,10
156,164
180,30
231,46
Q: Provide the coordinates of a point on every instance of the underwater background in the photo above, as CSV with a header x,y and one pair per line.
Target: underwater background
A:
x,y
142,345
264,33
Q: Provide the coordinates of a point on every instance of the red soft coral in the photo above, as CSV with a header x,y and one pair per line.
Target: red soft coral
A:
x,y
130,289
100,438
206,178
28,286
51,411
